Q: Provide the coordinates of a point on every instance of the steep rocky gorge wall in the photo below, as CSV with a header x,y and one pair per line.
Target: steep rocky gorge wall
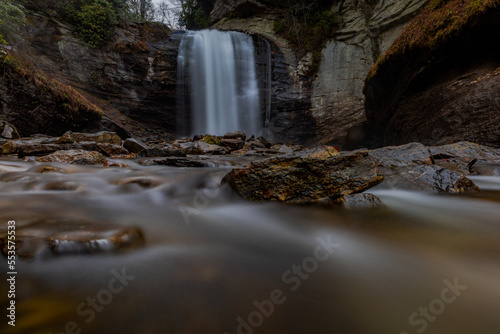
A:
x,y
133,76
437,89
329,106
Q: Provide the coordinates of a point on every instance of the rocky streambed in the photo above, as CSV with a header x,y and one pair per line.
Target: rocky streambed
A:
x,y
238,235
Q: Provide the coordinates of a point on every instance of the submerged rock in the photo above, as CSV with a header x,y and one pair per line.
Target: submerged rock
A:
x,y
75,157
65,238
314,176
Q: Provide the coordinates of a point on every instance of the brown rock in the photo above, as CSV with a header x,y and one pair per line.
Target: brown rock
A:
x,y
112,150
134,145
316,176
75,157
104,137
360,201
8,131
233,144
235,135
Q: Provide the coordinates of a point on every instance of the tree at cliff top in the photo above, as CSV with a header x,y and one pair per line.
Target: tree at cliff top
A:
x,y
307,24
11,18
194,14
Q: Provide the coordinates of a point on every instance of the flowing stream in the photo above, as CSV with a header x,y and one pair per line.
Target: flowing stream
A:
x,y
213,263
217,75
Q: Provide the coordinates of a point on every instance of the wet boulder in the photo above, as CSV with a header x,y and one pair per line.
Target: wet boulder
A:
x,y
44,149
467,158
233,144
319,176
110,150
239,135
75,157
134,145
8,131
210,149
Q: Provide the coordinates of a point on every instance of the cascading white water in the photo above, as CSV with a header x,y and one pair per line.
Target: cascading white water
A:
x,y
218,70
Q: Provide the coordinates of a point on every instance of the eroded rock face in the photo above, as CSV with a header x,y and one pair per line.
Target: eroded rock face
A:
x,y
451,98
367,30
318,176
329,106
135,72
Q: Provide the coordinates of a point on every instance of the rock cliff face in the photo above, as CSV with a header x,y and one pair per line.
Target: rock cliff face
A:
x,y
37,104
368,28
437,89
133,76
329,106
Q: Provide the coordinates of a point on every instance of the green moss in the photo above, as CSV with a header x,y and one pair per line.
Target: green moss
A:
x,y
439,21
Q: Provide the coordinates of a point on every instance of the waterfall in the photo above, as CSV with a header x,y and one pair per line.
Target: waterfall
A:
x,y
217,84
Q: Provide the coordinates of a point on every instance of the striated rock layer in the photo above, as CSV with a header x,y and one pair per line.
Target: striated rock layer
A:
x,y
133,76
329,106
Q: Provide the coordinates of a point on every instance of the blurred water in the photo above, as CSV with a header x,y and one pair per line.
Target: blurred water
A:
x,y
213,263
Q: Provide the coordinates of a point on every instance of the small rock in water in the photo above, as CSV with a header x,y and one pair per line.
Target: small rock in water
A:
x,y
210,149
110,150
233,144
134,145
413,153
240,135
75,157
8,131
99,137
167,151
209,139
65,238
265,142
360,201
176,162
